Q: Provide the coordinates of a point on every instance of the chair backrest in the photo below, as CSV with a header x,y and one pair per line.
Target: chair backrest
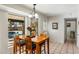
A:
x,y
16,38
42,34
19,41
28,43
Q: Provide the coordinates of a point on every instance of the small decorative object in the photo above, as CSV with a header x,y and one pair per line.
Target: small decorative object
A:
x,y
55,25
31,29
68,24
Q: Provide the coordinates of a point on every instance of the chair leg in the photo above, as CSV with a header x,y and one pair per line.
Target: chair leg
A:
x,y
33,52
30,51
22,48
40,49
26,52
19,50
16,49
44,49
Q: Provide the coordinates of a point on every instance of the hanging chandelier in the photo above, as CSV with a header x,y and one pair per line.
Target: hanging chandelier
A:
x,y
33,14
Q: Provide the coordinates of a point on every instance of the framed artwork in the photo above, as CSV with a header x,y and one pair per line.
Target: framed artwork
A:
x,y
54,25
68,24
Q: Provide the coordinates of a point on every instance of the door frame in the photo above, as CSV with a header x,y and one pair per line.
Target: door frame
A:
x,y
65,28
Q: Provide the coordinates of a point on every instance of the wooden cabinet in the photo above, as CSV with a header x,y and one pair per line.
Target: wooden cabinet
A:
x,y
16,25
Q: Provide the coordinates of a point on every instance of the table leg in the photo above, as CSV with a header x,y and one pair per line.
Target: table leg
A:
x,y
48,45
45,47
14,48
38,49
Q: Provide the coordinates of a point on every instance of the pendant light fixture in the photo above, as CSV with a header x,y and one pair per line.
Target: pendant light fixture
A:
x,y
34,14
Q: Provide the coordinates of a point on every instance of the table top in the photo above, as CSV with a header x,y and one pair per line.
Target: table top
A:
x,y
36,39
39,39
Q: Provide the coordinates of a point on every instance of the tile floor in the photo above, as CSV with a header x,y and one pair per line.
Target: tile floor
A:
x,y
66,48
58,48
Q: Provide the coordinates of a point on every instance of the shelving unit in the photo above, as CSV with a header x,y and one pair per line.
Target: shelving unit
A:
x,y
16,24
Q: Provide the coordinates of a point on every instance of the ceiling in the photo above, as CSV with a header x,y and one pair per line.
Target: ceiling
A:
x,y
54,9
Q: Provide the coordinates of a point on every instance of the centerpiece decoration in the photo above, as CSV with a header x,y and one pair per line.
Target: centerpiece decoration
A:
x,y
31,30
34,22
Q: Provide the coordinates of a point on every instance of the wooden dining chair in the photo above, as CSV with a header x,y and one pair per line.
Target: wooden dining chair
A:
x,y
14,44
18,43
30,46
42,34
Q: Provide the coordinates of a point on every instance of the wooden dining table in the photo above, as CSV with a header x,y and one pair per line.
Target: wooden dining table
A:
x,y
38,40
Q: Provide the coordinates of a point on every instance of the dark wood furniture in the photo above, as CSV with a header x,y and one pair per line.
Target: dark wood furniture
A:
x,y
16,25
30,46
19,44
37,41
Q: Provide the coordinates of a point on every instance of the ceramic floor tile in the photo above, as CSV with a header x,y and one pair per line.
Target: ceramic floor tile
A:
x,y
58,48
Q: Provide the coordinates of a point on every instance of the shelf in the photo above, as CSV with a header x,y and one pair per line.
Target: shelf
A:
x,y
16,20
14,30
16,25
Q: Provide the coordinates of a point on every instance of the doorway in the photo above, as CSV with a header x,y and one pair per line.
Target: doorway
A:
x,y
70,30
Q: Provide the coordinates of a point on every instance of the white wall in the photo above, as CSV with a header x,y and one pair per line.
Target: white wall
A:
x,y
78,26
45,23
56,34
3,32
59,34
27,23
42,23
41,19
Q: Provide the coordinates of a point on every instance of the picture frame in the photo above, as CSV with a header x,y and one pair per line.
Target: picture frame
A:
x,y
68,24
54,25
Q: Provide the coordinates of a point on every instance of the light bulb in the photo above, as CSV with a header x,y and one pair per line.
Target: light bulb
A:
x,y
36,15
30,16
